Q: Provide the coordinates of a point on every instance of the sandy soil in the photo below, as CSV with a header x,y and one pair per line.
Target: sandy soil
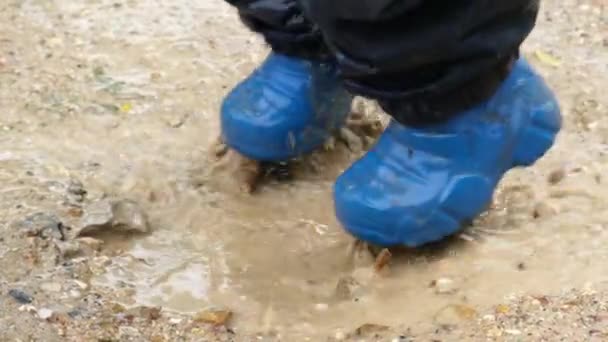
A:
x,y
117,224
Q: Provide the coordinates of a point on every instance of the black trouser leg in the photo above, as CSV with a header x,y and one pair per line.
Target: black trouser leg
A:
x,y
283,26
423,60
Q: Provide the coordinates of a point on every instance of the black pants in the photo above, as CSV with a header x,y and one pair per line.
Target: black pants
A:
x,y
422,60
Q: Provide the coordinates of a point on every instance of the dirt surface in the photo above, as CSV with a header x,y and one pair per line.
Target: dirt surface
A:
x,y
117,223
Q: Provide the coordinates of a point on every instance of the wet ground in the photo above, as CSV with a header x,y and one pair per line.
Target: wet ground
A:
x,y
102,99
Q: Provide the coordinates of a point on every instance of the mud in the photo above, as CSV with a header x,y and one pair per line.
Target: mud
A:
x,y
107,100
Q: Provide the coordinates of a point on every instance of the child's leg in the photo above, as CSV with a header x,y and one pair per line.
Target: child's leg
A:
x,y
292,102
466,109
283,26
424,60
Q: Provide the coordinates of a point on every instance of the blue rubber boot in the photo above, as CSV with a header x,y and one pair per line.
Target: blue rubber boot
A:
x,y
286,108
417,186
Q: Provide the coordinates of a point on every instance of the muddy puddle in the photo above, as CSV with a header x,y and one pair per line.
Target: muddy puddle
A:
x,y
124,97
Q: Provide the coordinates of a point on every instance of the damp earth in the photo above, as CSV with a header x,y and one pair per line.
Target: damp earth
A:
x,y
122,218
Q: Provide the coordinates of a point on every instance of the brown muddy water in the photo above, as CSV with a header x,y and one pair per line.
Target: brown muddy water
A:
x,y
125,96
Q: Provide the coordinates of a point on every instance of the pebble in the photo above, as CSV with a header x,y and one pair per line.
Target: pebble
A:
x,y
128,216
494,332
94,244
45,314
27,308
76,190
215,317
20,296
445,286
68,249
348,288
43,225
50,287
455,314
128,332
489,318
118,215
175,321
81,284
514,332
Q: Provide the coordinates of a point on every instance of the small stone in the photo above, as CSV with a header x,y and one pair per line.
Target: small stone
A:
x,y
146,312
27,308
503,309
445,286
81,284
74,313
340,336
489,318
348,288
45,314
68,249
97,216
454,314
76,188
382,260
128,216
128,332
20,296
494,332
75,212
215,317
118,308
175,321
157,338
60,317
92,243
556,176
43,225
370,329
120,215
514,332
50,287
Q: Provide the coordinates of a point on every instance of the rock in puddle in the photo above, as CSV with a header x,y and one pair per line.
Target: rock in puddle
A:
x,y
370,329
215,317
444,286
117,215
348,288
455,314
91,243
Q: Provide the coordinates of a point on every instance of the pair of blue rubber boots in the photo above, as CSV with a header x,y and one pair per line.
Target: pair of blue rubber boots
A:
x,y
415,186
